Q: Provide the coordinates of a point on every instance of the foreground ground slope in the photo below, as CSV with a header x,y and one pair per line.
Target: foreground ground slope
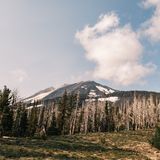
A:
x,y
128,145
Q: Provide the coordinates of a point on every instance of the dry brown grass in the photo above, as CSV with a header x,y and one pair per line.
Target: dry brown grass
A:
x,y
129,145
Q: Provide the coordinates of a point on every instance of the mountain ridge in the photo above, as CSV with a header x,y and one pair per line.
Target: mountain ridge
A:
x,y
86,90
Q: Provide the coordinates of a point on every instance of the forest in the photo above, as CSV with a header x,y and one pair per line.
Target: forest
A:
x,y
70,114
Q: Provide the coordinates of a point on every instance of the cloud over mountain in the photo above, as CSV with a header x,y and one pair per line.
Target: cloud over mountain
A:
x,y
116,50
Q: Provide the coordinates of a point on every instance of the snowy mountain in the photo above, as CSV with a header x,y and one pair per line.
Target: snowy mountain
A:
x,y
86,90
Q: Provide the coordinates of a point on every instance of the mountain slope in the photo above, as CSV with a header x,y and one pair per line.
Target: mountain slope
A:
x,y
39,95
86,90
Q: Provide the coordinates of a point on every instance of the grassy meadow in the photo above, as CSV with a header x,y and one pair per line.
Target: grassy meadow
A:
x,y
126,145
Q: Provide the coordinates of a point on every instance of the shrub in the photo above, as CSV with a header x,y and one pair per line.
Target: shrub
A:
x,y
102,140
155,141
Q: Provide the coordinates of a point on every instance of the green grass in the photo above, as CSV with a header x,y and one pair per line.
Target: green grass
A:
x,y
93,146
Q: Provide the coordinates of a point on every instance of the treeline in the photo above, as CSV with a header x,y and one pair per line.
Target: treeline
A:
x,y
65,116
71,114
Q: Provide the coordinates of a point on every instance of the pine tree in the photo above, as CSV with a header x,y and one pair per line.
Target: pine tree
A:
x,y
109,118
62,113
52,130
156,138
74,106
21,122
6,113
107,112
7,120
41,118
66,105
32,122
96,117
80,120
16,124
5,98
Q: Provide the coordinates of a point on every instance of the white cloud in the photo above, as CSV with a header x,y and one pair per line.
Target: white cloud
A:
x,y
19,75
116,51
149,3
151,28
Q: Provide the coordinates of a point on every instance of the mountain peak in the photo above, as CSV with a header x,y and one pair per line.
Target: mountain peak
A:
x,y
86,89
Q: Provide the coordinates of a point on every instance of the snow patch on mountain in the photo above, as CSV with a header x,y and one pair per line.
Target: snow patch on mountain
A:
x,y
38,97
111,99
105,90
92,93
90,100
84,87
30,107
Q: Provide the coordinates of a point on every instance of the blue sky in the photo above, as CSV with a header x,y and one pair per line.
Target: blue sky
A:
x,y
39,48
